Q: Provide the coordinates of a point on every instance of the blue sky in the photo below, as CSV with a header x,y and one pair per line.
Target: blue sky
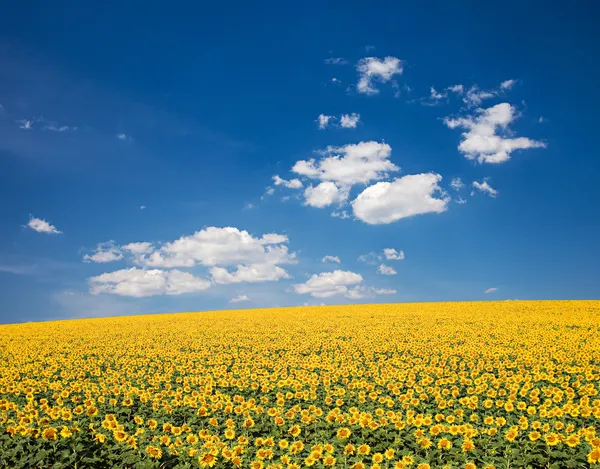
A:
x,y
480,191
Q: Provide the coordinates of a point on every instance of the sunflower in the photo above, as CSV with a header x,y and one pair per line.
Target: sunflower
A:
x,y
207,460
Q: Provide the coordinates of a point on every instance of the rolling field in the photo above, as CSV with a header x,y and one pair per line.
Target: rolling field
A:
x,y
459,385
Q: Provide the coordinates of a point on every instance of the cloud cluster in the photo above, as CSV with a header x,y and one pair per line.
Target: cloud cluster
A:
x,y
230,255
487,138
346,121
338,282
140,282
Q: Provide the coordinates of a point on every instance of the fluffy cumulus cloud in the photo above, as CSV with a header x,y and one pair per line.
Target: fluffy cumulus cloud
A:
x,y
490,290
323,195
349,121
291,184
42,226
507,84
350,164
139,282
239,299
214,246
487,137
105,252
373,69
387,202
232,256
484,187
328,284
252,273
386,270
335,259
392,255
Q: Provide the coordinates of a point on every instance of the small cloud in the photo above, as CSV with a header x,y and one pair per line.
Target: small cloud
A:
x,y
542,119
507,84
490,290
268,193
485,188
42,226
323,121
392,255
341,214
461,201
373,69
386,270
457,184
349,121
336,80
458,89
250,206
123,137
433,94
239,299
56,128
25,124
292,184
142,207
105,252
331,259
336,61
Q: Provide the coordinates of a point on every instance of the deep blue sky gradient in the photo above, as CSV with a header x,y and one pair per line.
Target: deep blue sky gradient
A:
x,y
217,99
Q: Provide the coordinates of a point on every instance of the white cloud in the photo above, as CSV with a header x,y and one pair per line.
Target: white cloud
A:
x,y
372,69
507,84
349,121
25,124
485,138
335,80
42,226
475,96
214,246
331,259
457,184
323,195
343,214
323,120
433,94
371,258
292,184
461,201
350,164
458,89
490,290
239,298
360,292
485,188
328,284
336,61
392,255
140,283
56,128
387,202
123,137
139,248
386,270
142,207
105,252
542,119
252,273
268,193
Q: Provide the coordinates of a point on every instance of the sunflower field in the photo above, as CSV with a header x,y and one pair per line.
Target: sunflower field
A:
x,y
511,384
